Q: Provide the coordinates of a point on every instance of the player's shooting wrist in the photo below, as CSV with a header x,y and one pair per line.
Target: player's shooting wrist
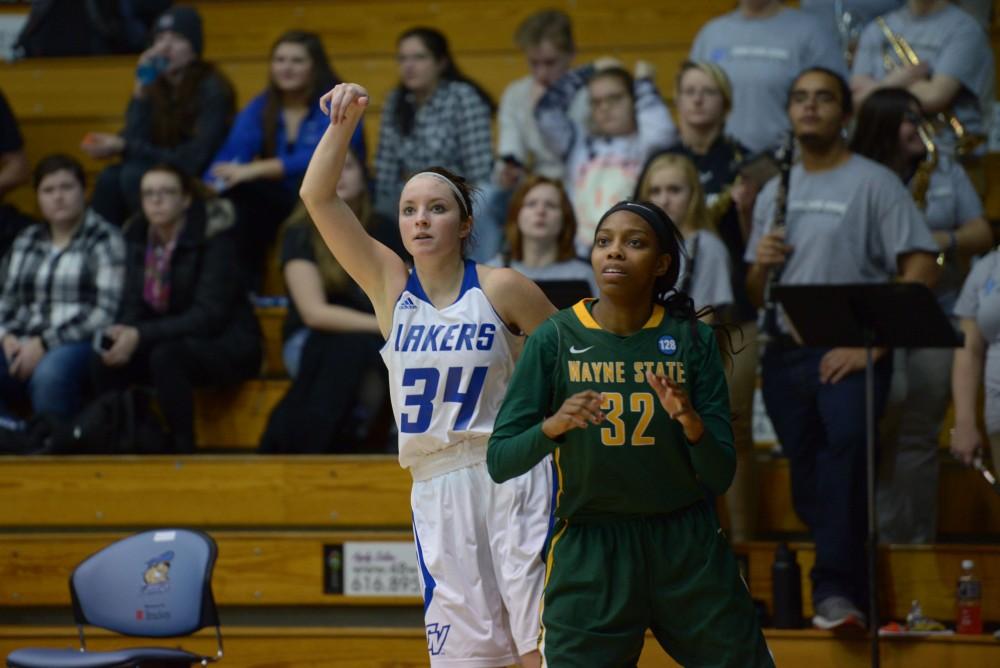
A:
x,y
551,431
692,424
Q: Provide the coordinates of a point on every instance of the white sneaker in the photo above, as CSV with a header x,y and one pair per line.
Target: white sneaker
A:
x,y
837,612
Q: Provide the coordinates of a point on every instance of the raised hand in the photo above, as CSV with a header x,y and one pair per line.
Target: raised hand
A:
x,y
576,412
677,403
102,145
345,101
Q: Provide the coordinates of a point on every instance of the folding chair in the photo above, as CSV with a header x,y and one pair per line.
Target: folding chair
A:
x,y
155,584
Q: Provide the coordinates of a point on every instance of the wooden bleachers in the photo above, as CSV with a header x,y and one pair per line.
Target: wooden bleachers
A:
x,y
360,38
921,572
330,492
285,568
235,418
272,515
281,647
255,568
369,492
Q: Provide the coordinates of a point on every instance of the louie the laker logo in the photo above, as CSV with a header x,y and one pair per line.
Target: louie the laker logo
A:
x,y
437,635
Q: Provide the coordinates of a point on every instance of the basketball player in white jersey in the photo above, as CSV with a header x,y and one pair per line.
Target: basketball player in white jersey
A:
x,y
450,326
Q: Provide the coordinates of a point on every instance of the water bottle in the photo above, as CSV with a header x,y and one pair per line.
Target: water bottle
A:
x,y
969,617
147,71
786,583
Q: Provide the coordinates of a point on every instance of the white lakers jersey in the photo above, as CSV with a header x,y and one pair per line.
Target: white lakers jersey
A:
x,y
448,372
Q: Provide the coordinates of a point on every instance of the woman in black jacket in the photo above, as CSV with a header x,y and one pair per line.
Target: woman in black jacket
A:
x,y
186,320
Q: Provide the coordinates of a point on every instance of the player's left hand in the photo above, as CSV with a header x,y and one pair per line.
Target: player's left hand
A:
x,y
677,403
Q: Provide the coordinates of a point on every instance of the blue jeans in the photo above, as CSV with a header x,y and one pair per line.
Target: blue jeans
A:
x,y
821,428
291,352
55,387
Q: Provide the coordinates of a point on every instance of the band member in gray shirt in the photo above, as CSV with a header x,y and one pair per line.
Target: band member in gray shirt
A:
x,y
888,131
762,46
955,71
849,220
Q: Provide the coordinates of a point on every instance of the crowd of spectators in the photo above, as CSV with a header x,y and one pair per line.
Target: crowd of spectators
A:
x,y
151,282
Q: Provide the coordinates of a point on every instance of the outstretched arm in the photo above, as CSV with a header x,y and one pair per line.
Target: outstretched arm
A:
x,y
375,267
966,379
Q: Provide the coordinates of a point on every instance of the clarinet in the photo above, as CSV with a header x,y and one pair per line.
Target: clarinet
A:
x,y
769,329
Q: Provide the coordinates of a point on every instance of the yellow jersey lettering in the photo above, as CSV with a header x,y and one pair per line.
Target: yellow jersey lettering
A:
x,y
608,372
574,371
595,371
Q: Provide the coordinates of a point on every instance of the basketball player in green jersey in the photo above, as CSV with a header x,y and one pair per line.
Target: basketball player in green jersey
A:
x,y
628,393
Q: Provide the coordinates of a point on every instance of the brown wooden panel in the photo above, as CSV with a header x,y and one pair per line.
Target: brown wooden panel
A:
x,y
246,490
38,89
271,320
236,417
204,491
967,506
992,167
361,27
254,568
316,647
907,572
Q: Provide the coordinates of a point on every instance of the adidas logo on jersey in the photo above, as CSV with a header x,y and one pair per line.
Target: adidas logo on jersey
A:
x,y
407,304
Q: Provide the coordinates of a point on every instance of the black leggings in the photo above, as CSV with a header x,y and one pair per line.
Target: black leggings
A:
x,y
174,369
261,206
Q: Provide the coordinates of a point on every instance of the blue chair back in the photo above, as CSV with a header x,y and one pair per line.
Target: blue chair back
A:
x,y
156,584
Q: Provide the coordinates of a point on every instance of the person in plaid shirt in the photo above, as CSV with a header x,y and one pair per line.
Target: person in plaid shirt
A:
x,y
62,283
436,116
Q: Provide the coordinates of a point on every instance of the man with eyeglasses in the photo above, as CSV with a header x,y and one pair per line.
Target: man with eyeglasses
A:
x,y
848,220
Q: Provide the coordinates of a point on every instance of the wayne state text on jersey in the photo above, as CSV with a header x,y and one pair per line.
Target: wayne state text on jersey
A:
x,y
444,338
581,371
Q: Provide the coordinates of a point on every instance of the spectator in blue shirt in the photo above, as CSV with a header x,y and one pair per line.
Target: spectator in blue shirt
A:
x,y
266,153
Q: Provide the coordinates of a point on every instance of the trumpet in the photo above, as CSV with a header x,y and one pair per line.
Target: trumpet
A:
x,y
965,142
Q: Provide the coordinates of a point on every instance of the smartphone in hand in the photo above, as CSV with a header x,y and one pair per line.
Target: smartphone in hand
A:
x,y
102,342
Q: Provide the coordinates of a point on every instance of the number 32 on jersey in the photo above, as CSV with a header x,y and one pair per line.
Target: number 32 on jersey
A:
x,y
614,405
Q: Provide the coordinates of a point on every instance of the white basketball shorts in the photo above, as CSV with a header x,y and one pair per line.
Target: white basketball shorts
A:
x,y
479,547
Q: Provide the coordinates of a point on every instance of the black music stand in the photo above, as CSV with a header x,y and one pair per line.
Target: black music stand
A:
x,y
893,315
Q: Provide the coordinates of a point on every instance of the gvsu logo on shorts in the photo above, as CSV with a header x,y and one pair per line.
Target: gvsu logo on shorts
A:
x,y
436,637
667,345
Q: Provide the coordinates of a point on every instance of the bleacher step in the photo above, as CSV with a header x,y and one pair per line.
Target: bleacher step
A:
x,y
281,647
287,568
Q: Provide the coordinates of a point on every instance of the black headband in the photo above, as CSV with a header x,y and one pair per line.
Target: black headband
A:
x,y
654,219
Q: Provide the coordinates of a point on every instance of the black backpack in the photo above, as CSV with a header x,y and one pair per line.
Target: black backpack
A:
x,y
116,422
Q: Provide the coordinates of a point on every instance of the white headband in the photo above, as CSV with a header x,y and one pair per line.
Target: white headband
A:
x,y
444,179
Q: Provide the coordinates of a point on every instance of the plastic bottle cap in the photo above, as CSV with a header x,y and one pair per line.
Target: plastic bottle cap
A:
x,y
967,564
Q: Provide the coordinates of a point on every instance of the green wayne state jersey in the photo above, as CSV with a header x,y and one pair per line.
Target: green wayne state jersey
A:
x,y
637,461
